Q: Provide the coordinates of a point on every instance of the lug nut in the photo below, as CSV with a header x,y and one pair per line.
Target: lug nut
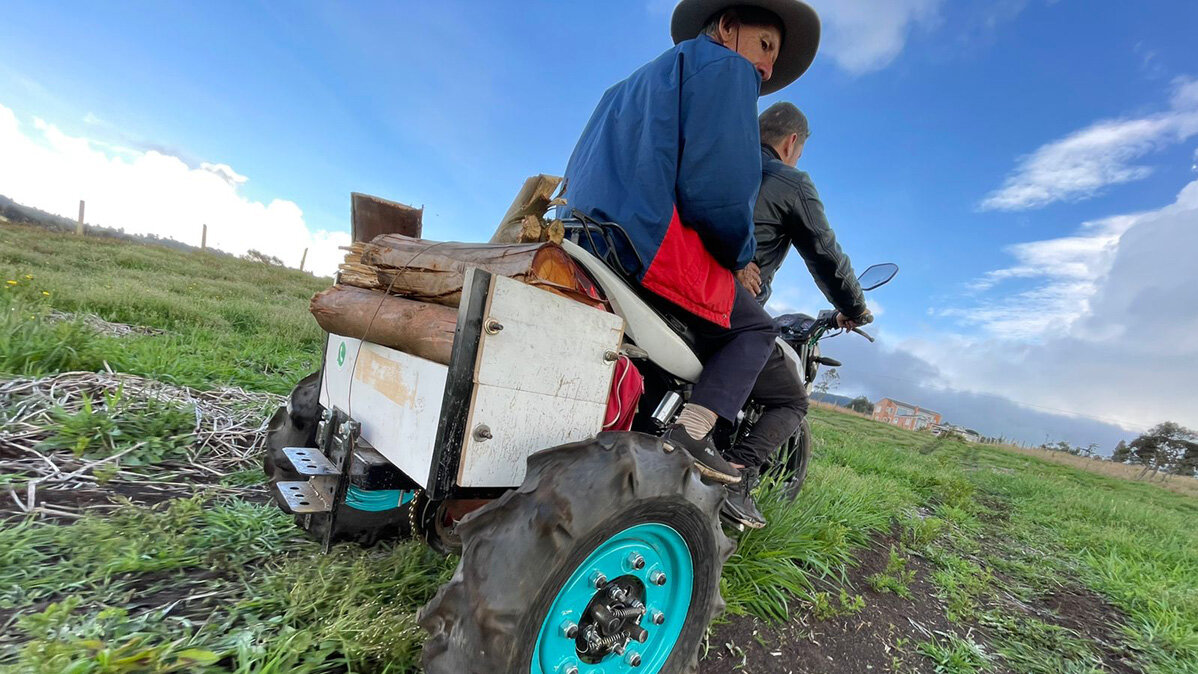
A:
x,y
636,561
658,618
569,629
657,578
598,579
633,658
571,669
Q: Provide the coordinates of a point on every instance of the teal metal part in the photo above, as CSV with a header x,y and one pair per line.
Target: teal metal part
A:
x,y
376,500
665,552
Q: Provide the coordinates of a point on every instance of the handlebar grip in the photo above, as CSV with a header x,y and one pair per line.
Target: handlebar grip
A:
x,y
863,333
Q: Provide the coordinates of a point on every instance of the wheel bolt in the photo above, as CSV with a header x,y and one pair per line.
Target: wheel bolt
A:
x,y
569,629
571,669
658,618
657,578
598,579
636,561
633,658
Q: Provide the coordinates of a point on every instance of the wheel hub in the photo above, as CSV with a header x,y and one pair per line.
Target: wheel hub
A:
x,y
611,620
622,609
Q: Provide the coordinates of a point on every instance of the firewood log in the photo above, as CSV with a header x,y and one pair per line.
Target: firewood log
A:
x,y
532,199
431,271
421,329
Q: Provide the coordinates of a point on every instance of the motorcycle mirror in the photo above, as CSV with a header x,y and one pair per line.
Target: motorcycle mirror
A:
x,y
877,275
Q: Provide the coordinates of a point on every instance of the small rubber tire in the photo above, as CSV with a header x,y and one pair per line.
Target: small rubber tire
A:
x,y
296,428
798,455
519,551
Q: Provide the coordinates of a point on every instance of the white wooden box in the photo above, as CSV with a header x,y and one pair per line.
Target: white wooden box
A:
x,y
541,381
539,376
394,395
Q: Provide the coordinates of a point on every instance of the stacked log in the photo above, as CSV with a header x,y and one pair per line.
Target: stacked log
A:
x,y
353,272
421,329
401,292
525,220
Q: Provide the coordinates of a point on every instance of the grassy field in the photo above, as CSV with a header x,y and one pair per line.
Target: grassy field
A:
x,y
176,563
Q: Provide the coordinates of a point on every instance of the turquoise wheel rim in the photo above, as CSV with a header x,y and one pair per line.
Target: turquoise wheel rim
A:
x,y
664,551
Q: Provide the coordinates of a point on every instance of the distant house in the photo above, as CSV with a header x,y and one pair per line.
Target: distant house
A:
x,y
905,415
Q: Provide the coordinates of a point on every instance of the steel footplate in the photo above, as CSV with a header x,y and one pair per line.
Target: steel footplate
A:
x,y
307,497
310,461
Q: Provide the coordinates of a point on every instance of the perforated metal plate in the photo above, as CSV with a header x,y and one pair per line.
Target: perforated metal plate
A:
x,y
313,496
309,461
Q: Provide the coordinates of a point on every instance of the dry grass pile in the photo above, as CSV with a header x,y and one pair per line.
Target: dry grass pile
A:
x,y
69,440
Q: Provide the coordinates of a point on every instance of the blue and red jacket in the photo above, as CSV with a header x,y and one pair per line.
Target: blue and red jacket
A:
x,y
672,154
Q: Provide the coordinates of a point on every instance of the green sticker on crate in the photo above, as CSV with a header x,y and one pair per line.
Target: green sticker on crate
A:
x,y
341,355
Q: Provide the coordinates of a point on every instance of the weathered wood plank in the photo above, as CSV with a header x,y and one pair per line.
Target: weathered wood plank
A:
x,y
371,216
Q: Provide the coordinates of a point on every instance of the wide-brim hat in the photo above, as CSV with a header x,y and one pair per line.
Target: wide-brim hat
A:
x,y
800,26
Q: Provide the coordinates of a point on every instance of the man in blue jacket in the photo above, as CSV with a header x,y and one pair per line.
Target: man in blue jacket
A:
x,y
672,155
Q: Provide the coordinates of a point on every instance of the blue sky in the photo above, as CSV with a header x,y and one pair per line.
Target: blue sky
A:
x,y
944,134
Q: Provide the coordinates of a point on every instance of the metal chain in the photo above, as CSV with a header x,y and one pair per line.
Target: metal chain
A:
x,y
415,530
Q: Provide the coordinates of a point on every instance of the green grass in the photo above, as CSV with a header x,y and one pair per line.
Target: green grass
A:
x,y
216,583
227,321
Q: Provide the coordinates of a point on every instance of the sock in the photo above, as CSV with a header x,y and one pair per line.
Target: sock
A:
x,y
697,420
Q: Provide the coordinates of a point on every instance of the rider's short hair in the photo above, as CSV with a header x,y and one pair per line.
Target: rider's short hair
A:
x,y
780,120
744,15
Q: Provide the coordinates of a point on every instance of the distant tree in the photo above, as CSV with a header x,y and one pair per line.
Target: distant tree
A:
x,y
1061,446
1122,453
829,381
1165,448
1188,465
259,256
862,404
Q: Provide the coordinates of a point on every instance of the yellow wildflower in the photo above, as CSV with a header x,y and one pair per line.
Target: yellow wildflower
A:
x,y
46,293
11,283
28,277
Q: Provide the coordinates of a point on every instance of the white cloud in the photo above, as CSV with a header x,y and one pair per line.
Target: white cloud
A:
x,y
1064,273
150,192
1081,164
866,35
1108,328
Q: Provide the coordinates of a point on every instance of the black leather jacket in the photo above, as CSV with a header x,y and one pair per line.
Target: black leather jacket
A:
x,y
789,212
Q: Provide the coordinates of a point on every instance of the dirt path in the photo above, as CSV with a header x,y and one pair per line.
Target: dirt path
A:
x,y
884,632
879,637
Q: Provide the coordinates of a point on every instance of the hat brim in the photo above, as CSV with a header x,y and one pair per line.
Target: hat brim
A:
x,y
800,26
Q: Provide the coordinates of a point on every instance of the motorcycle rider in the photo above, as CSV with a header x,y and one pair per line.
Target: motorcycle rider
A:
x,y
788,212
671,155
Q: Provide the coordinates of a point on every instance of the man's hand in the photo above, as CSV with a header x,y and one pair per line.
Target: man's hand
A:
x,y
750,278
846,323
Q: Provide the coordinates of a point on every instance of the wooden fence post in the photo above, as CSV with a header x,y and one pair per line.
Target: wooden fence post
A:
x,y
79,226
204,239
303,258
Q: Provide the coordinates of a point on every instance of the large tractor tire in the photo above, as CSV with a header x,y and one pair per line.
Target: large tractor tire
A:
x,y
606,538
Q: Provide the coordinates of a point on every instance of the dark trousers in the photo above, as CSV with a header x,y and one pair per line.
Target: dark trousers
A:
x,y
780,391
732,357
